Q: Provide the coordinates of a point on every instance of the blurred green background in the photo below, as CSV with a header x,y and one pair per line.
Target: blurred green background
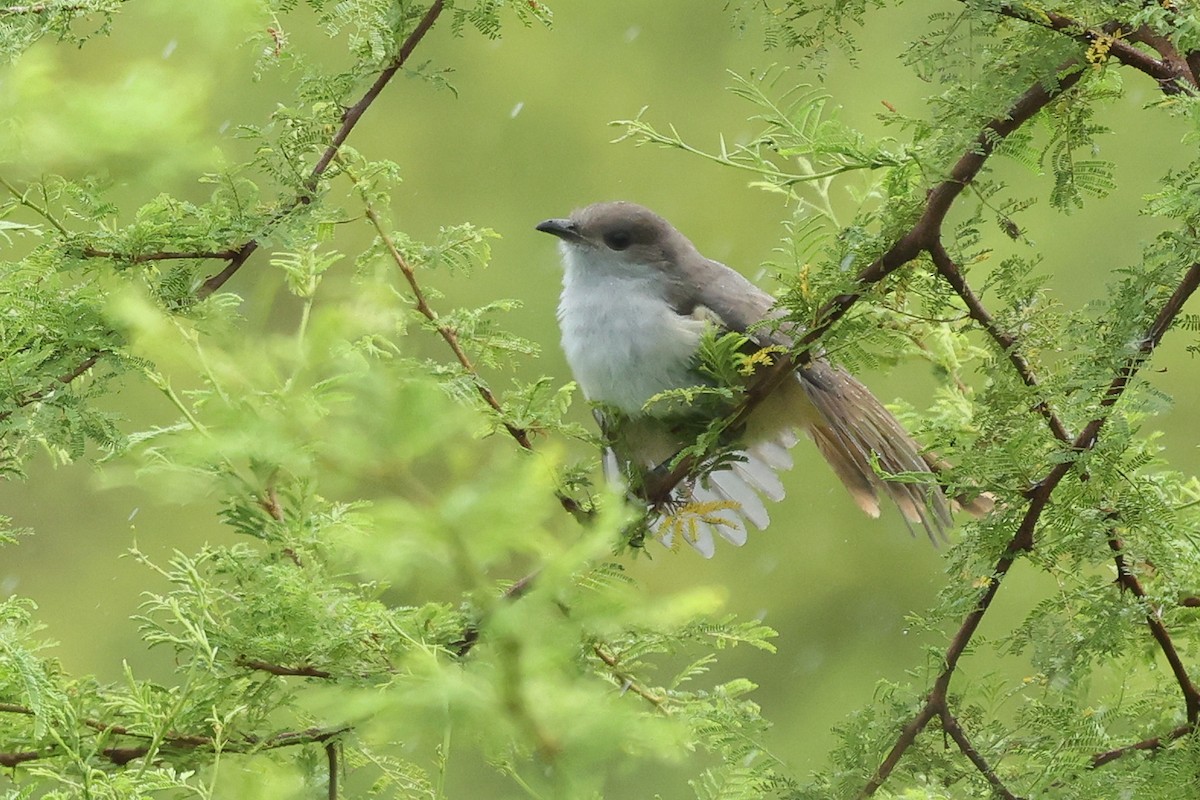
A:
x,y
155,105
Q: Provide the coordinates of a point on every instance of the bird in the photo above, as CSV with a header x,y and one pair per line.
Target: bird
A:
x,y
637,299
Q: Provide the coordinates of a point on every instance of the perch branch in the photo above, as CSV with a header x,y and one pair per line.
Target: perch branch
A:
x,y
919,238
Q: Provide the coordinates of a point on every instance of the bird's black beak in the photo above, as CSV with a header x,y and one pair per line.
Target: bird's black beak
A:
x,y
564,229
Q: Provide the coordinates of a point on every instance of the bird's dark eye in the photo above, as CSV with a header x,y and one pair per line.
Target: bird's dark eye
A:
x,y
618,240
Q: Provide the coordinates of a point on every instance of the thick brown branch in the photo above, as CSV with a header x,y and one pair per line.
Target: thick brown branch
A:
x,y
1172,73
1172,59
19,757
331,758
937,698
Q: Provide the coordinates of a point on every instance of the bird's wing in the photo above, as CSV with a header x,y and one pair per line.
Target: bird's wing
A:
x,y
851,428
723,295
726,502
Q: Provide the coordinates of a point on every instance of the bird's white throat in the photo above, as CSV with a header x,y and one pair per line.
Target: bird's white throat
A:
x,y
622,339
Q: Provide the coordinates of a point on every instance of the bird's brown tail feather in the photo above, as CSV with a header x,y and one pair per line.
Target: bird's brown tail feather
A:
x,y
855,432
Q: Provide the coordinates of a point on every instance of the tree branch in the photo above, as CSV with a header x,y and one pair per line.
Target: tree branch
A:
x,y
166,255
1007,342
1023,539
350,118
627,681
237,255
1153,743
173,741
1127,580
950,726
922,236
448,334
1172,73
44,8
65,379
331,758
302,671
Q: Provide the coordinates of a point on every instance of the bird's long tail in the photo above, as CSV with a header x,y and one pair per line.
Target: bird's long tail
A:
x,y
861,439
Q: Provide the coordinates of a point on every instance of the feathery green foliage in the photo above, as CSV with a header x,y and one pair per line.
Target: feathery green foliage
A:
x,y
385,477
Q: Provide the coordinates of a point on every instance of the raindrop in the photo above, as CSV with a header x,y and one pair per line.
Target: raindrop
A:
x,y
632,33
170,48
516,110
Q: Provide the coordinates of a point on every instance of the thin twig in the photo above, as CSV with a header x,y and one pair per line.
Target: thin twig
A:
x,y
450,336
349,119
64,380
123,755
447,332
302,671
627,681
1007,342
165,255
237,256
44,8
1153,743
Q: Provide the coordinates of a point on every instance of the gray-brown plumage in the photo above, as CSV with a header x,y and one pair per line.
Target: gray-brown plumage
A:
x,y
636,298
